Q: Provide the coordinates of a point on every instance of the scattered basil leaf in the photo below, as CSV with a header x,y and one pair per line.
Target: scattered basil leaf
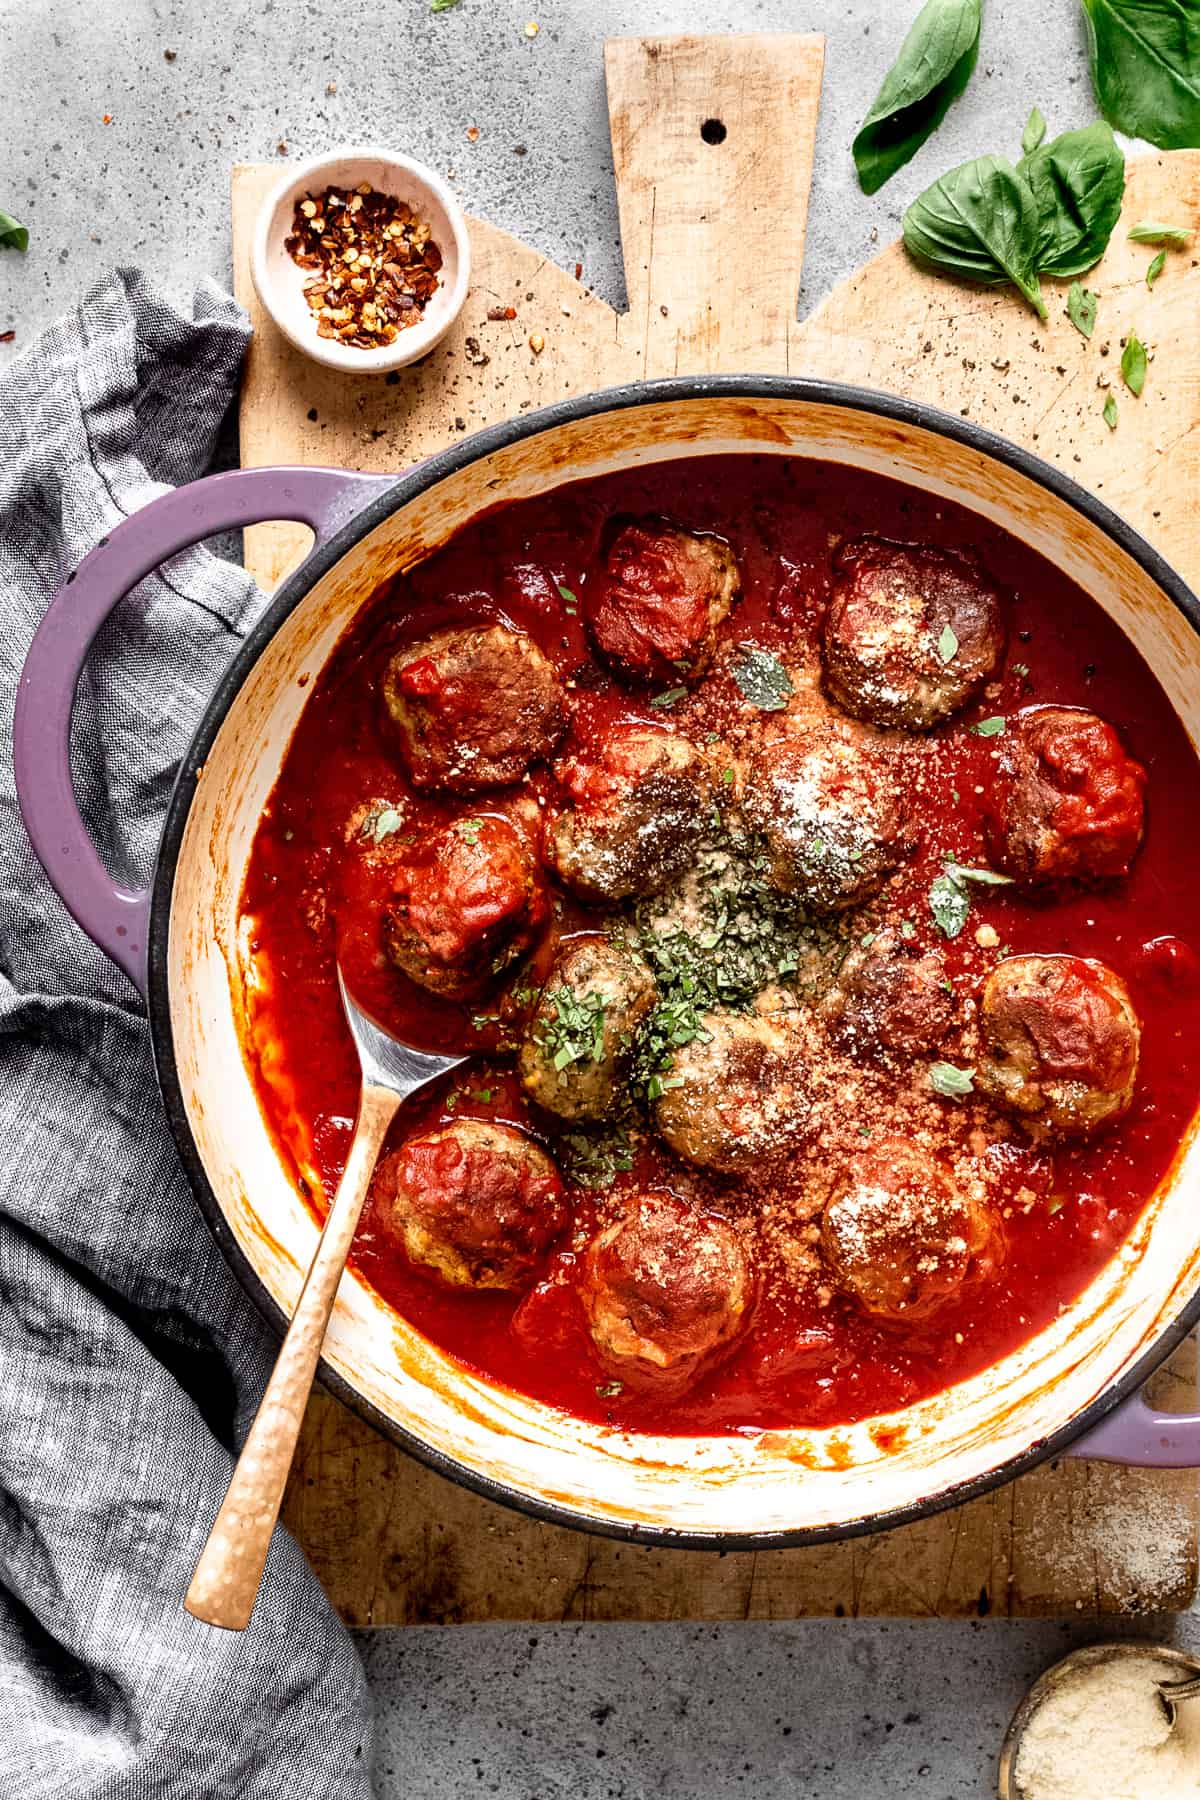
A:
x,y
1133,364
1145,61
442,5
1078,181
950,905
762,679
570,600
1034,132
381,823
469,830
484,1096
672,696
726,777
983,877
1156,268
951,1083
1173,236
979,222
947,644
993,727
1081,308
12,235
931,70
1111,413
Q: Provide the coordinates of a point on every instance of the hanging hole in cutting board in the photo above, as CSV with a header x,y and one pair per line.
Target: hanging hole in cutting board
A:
x,y
713,131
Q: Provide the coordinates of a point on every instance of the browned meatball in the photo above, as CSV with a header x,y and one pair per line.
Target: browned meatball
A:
x,y
656,604
666,1292
892,997
733,1098
830,814
1067,799
640,806
1060,1042
473,705
912,633
478,1204
466,901
581,1037
898,1236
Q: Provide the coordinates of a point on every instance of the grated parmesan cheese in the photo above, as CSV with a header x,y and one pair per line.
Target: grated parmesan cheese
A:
x,y
1103,1735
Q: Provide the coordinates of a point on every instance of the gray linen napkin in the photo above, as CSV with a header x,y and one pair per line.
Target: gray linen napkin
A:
x,y
130,1360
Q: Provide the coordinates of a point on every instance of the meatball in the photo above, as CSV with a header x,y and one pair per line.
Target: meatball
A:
x,y
898,1236
1060,1042
830,815
473,706
641,805
892,997
478,1204
580,1039
655,607
733,1097
466,901
911,634
1066,803
666,1292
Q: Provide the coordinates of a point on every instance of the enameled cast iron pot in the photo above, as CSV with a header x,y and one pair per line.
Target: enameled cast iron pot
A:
x,y
179,943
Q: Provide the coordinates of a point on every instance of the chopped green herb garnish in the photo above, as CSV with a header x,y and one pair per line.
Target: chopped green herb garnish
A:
x,y
1111,412
1020,670
950,897
381,823
951,1083
993,727
1156,268
482,1020
469,830
670,698
484,1096
726,777
907,929
576,1031
947,644
595,1161
762,679
566,594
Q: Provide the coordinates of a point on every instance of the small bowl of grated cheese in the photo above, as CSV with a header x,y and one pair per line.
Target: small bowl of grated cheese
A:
x,y
1096,1726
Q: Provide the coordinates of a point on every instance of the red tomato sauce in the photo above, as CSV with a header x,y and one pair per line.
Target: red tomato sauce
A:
x,y
803,1361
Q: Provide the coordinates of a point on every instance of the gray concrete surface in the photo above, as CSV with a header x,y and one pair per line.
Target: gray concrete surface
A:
x,y
828,1710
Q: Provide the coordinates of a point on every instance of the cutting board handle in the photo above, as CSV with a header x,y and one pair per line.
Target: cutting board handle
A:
x,y
712,147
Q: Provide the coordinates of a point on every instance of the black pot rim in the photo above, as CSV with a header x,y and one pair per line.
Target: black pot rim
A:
x,y
406,487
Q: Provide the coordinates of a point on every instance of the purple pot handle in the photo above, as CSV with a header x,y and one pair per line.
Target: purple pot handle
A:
x,y
1138,1434
115,917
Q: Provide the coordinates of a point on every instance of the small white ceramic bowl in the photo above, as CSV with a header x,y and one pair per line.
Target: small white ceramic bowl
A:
x,y
280,281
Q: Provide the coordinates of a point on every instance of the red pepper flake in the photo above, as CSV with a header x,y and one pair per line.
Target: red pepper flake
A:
x,y
6,337
578,271
472,134
107,119
376,264
502,312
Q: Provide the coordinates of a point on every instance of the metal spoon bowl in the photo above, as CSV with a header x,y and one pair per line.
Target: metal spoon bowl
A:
x,y
1092,1656
226,1579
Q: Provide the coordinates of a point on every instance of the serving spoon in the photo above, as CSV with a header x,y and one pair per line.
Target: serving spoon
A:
x,y
226,1579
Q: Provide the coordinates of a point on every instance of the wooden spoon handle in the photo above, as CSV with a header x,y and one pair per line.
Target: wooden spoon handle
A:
x,y
225,1582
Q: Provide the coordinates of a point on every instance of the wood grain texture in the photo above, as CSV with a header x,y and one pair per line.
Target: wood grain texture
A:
x,y
720,249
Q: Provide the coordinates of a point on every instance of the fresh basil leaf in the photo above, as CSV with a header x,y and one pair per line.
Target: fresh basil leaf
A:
x,y
1133,364
763,680
1078,181
442,5
665,701
950,904
932,69
12,235
1145,60
985,877
1081,308
947,644
951,1083
1034,132
1111,413
1156,268
993,727
979,222
1173,236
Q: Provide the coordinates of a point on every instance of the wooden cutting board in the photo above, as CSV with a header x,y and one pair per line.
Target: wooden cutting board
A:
x,y
713,238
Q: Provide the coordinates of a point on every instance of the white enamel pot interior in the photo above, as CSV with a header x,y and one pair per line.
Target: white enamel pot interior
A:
x,y
780,1486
